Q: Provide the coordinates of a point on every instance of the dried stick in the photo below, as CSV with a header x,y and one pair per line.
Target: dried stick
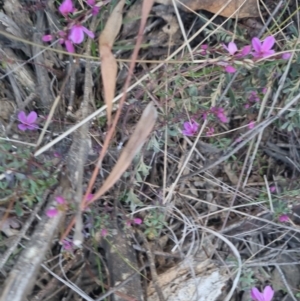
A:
x,y
152,268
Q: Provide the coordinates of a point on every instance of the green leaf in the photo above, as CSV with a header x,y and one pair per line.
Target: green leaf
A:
x,y
18,209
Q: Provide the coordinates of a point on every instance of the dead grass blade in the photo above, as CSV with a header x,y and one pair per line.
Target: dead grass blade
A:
x,y
109,65
147,5
135,143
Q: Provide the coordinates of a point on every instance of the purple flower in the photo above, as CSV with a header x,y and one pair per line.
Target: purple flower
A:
x,y
251,125
286,56
190,128
64,40
47,38
266,295
69,46
89,197
67,245
137,221
76,34
253,97
230,69
210,131
95,10
272,188
219,113
204,47
27,122
60,200
66,7
283,218
104,232
263,49
245,51
52,212
231,48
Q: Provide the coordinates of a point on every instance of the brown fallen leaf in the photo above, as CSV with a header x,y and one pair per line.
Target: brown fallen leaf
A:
x,y
109,66
133,146
243,8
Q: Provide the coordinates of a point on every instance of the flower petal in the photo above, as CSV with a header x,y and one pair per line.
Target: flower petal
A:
x,y
268,53
32,126
230,69
69,46
66,7
268,43
47,38
268,293
22,117
60,200
256,44
256,294
137,221
232,48
245,50
76,34
187,125
186,133
95,10
32,116
283,218
286,56
22,127
251,125
52,212
88,32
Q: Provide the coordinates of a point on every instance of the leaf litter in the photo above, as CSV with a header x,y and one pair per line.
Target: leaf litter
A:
x,y
227,210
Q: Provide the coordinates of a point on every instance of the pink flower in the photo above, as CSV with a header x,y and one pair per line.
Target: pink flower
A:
x,y
210,131
67,245
245,51
251,125
266,295
283,218
253,96
60,200
231,48
104,232
77,33
47,38
95,10
89,197
286,56
52,212
137,221
263,49
190,128
230,69
204,47
64,40
69,46
219,112
27,122
66,7
272,188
